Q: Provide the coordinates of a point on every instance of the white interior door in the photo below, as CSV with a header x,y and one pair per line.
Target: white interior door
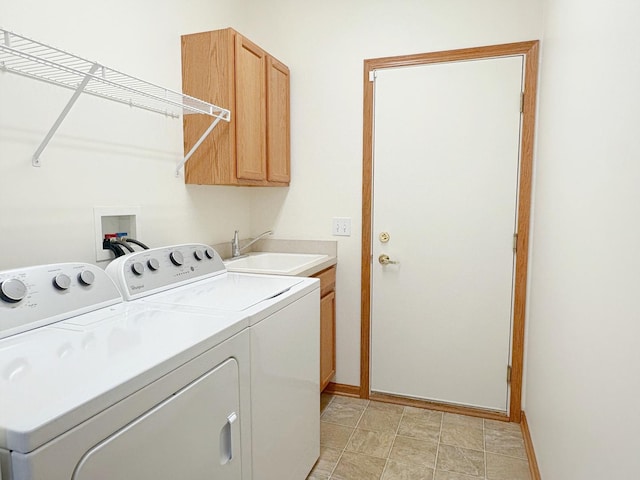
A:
x,y
446,154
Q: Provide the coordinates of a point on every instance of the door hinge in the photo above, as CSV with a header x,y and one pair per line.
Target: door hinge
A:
x,y
515,243
372,75
521,102
508,373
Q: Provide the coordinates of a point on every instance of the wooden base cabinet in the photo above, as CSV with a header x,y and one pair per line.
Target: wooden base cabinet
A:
x,y
227,69
327,325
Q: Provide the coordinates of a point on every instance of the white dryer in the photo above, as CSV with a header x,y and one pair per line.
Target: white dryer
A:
x,y
284,326
92,388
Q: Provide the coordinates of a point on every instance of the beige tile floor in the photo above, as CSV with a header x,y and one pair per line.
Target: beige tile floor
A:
x,y
367,440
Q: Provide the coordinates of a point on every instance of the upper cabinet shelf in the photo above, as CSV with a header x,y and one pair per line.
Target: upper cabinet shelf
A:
x,y
39,61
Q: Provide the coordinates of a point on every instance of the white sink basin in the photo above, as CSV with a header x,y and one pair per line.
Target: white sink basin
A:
x,y
275,263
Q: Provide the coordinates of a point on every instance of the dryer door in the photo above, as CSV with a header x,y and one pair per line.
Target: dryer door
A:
x,y
194,434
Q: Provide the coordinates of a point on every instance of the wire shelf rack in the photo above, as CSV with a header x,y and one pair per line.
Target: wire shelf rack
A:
x,y
36,60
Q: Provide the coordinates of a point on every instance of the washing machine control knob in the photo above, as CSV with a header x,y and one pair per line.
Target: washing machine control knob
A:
x,y
86,277
210,253
198,254
176,258
62,281
12,290
153,264
137,268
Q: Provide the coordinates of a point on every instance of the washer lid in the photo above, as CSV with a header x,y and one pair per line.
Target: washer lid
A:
x,y
55,377
229,292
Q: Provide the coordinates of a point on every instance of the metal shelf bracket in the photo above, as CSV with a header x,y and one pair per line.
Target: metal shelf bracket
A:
x,y
35,161
199,142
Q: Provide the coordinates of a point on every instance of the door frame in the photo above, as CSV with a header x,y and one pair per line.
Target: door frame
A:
x,y
529,50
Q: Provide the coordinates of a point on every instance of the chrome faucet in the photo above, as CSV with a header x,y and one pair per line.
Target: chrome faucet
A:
x,y
236,250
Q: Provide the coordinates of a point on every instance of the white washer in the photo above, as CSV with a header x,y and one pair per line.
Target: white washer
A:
x,y
93,388
284,325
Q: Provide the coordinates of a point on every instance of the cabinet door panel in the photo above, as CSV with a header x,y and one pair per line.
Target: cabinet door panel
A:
x,y
250,113
278,130
327,339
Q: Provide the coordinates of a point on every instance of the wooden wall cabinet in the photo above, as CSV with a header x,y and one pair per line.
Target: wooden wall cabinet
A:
x,y
327,325
254,148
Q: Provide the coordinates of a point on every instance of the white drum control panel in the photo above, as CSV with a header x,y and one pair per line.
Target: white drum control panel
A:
x,y
35,296
157,269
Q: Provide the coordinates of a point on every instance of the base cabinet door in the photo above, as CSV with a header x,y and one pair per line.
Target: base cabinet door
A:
x,y
327,339
327,325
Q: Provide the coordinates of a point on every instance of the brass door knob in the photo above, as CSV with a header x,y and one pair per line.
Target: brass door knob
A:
x,y
385,260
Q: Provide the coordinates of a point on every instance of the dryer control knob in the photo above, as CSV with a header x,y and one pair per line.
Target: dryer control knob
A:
x,y
176,258
137,268
199,255
61,281
86,277
12,290
210,253
153,264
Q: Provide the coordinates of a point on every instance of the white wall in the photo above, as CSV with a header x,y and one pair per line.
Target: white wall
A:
x,y
324,44
104,154
583,380
583,376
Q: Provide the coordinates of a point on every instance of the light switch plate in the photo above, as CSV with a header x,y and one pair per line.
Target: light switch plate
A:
x,y
341,226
